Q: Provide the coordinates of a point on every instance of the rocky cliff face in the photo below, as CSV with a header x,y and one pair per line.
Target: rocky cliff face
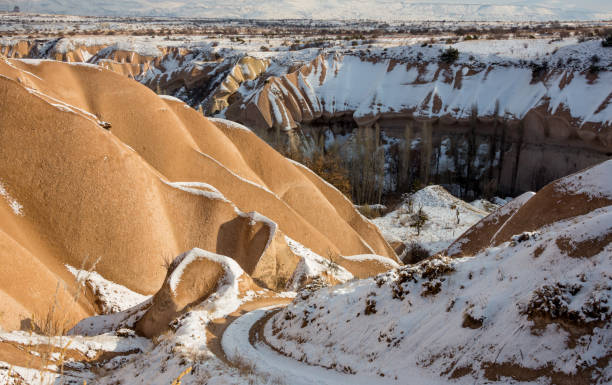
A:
x,y
511,125
506,117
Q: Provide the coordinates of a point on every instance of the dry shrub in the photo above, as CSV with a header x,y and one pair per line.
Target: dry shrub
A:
x,y
244,366
370,305
415,253
55,321
398,289
418,220
469,321
330,263
549,304
369,212
50,322
431,288
431,270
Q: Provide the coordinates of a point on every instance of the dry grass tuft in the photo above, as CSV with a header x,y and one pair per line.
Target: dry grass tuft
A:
x,y
369,212
244,366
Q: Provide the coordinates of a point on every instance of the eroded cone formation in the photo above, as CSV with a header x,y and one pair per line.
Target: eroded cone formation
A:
x,y
95,166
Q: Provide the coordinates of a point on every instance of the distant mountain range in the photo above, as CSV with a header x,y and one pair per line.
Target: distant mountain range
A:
x,y
389,10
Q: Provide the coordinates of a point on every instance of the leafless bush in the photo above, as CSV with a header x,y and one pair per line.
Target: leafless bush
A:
x,y
418,220
415,253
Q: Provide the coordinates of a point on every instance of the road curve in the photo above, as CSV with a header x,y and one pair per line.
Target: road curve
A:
x,y
241,343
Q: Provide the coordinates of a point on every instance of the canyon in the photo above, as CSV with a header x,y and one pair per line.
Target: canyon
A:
x,y
507,116
213,201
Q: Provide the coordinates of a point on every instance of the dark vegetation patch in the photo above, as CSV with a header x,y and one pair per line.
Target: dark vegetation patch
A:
x,y
584,375
370,307
450,55
472,322
538,251
550,304
538,71
431,288
415,253
390,338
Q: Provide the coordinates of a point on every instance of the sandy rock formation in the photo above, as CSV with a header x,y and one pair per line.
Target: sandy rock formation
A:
x,y
191,279
247,68
558,120
94,165
211,79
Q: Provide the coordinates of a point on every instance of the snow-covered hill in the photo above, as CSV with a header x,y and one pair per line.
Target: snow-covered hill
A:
x,y
447,218
316,9
533,309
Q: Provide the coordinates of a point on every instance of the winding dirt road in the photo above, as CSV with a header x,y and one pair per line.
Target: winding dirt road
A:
x,y
242,341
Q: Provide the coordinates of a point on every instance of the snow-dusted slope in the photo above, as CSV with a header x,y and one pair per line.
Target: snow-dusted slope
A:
x,y
502,83
448,217
533,309
317,9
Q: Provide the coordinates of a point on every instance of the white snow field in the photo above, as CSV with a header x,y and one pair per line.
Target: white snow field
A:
x,y
286,370
418,325
495,79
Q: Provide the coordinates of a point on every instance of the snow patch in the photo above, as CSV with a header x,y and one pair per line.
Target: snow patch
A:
x,y
312,265
12,202
112,297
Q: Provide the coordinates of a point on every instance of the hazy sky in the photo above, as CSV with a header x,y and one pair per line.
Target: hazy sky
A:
x,y
594,5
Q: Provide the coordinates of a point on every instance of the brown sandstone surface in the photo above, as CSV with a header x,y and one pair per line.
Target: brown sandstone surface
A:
x,y
87,192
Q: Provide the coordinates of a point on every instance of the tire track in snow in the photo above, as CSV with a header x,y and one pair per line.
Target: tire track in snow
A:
x,y
242,341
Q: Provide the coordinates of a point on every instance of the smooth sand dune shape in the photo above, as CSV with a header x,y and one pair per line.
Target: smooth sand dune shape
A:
x,y
162,179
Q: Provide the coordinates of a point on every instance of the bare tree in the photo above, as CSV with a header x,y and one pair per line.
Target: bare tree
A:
x,y
366,166
405,172
426,151
419,219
